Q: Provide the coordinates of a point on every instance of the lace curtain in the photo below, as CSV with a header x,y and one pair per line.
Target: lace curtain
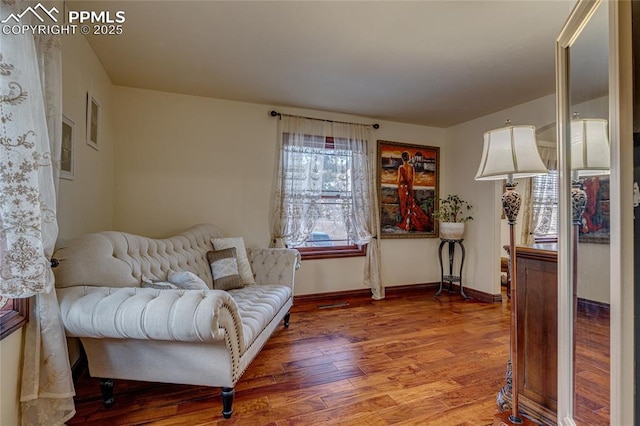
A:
x,y
298,201
299,183
537,202
30,127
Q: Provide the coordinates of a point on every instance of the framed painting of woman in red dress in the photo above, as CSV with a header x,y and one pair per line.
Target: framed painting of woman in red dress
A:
x,y
408,178
595,219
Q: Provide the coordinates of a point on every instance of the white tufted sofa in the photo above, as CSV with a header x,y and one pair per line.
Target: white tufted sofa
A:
x,y
198,337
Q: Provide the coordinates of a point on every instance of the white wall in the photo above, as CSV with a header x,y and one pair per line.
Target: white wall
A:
x,y
594,279
85,204
182,160
10,373
486,235
483,235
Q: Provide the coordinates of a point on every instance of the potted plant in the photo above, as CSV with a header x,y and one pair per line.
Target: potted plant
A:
x,y
453,213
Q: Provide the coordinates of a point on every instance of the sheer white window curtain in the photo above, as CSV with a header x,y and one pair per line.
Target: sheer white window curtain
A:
x,y
540,198
298,201
30,128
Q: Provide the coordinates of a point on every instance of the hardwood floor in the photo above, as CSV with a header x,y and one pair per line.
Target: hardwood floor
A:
x,y
592,366
407,360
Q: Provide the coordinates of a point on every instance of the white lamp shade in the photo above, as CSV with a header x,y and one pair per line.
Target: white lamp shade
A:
x,y
510,152
590,147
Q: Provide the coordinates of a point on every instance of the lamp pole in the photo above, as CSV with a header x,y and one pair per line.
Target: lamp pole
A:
x,y
511,201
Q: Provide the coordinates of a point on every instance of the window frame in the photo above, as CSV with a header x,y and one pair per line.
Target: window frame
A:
x,y
330,252
16,317
548,238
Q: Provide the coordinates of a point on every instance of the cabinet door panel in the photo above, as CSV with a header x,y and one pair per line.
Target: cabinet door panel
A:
x,y
537,332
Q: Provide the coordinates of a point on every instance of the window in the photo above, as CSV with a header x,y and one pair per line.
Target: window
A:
x,y
545,206
13,314
318,173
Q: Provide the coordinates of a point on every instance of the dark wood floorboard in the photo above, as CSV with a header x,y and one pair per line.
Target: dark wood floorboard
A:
x,y
410,359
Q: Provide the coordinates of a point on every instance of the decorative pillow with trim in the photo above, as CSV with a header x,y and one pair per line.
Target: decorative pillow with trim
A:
x,y
244,267
224,268
186,280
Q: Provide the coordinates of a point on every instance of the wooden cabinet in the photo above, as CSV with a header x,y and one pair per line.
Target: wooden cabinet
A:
x,y
537,287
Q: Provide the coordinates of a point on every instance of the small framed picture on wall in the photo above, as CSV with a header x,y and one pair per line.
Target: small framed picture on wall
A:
x,y
67,155
93,121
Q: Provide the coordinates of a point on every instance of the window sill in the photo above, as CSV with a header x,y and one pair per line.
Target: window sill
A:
x,y
309,253
546,240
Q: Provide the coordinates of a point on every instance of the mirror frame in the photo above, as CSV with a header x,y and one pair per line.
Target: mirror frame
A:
x,y
622,359
578,19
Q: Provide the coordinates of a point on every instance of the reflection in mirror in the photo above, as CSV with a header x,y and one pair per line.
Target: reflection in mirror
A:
x,y
589,100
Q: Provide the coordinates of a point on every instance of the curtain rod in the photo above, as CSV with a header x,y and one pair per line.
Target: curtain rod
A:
x,y
277,114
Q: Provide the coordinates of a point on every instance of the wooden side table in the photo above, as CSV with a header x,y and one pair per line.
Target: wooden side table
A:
x,y
451,278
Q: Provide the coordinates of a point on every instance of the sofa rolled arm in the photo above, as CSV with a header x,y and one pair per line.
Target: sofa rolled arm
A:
x,y
274,265
152,314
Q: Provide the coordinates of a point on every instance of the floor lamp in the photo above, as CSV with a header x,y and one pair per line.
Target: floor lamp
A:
x,y
511,152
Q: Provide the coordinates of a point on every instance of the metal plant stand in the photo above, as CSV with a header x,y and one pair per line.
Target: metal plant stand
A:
x,y
450,278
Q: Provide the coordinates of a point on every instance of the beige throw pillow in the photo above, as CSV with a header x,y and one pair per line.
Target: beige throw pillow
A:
x,y
224,269
244,267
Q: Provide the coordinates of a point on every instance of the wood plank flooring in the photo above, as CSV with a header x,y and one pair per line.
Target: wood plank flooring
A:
x,y
410,359
592,366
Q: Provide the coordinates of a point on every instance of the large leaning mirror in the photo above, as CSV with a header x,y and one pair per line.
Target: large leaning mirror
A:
x,y
590,164
584,220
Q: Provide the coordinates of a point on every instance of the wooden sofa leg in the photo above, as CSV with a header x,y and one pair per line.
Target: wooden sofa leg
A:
x,y
286,319
227,402
106,387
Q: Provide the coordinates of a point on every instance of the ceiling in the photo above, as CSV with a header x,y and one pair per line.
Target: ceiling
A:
x,y
435,63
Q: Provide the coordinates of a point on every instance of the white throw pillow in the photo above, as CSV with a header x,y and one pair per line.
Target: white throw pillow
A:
x,y
244,267
160,285
186,280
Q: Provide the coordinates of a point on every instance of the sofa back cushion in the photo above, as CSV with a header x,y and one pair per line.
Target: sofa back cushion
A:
x,y
118,259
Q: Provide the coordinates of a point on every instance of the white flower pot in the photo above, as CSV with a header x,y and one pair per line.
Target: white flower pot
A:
x,y
451,230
